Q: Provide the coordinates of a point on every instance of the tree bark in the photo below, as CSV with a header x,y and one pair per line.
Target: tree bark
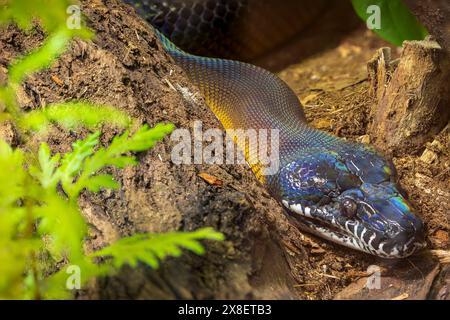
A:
x,y
412,96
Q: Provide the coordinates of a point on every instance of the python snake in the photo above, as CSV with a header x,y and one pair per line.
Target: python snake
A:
x,y
338,190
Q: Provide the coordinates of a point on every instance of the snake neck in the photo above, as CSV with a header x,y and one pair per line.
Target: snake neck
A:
x,y
250,100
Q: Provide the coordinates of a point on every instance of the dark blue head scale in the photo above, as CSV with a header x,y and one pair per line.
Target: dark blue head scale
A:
x,y
351,197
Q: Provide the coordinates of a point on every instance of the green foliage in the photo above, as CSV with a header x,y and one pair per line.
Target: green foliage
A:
x,y
53,18
13,254
151,248
72,115
142,140
36,219
397,22
78,168
42,229
52,14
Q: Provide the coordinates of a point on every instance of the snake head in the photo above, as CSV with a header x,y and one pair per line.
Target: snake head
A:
x,y
351,198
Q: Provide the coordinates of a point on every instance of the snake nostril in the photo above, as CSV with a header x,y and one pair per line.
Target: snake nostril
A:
x,y
392,230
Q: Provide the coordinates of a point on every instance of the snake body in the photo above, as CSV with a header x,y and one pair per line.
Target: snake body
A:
x,y
338,190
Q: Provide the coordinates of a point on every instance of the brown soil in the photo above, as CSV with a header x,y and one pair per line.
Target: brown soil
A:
x,y
264,256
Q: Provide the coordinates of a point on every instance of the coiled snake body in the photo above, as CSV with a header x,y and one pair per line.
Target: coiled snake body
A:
x,y
339,190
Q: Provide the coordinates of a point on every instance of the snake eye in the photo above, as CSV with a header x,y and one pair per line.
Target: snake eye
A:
x,y
348,207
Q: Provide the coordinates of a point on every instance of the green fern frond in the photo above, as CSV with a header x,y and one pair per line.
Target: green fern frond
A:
x,y
12,175
73,115
64,226
73,162
52,14
45,173
15,246
78,168
113,155
152,248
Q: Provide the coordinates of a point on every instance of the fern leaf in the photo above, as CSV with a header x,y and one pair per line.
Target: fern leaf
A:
x,y
152,248
63,224
113,155
72,115
72,162
100,181
46,172
146,137
52,14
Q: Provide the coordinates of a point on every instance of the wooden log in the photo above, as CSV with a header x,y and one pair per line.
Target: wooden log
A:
x,y
412,96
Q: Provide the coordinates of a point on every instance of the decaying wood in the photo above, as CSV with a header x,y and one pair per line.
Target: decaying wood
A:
x,y
412,96
441,289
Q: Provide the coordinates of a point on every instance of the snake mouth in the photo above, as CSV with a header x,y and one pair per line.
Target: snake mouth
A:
x,y
326,223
